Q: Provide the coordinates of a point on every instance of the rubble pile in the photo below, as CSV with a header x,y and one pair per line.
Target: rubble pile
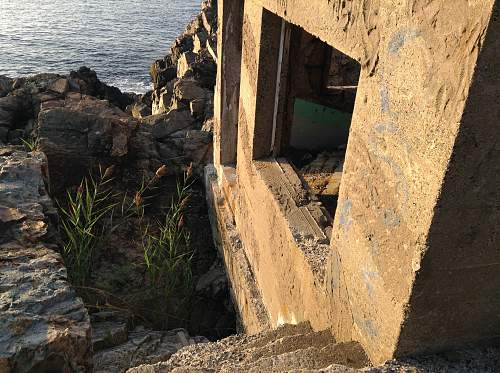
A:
x,y
119,346
322,174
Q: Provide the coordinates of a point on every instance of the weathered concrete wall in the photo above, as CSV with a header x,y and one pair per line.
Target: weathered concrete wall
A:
x,y
403,132
456,289
291,290
419,169
245,292
227,89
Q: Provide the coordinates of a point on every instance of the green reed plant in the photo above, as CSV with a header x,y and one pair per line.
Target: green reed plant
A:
x,y
83,223
167,252
136,206
31,143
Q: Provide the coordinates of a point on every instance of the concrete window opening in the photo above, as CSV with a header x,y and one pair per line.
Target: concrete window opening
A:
x,y
319,92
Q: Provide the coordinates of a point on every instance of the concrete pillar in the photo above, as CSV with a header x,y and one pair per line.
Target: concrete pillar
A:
x,y
227,90
265,95
416,233
456,294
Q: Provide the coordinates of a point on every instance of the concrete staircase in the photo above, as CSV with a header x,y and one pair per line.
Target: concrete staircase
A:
x,y
299,349
288,349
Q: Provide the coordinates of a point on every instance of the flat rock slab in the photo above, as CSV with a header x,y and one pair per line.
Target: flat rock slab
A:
x,y
143,347
44,326
106,334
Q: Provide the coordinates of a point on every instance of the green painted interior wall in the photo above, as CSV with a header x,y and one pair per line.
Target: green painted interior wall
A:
x,y
317,127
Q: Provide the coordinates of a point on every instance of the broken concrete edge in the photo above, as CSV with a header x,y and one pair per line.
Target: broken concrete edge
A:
x,y
244,290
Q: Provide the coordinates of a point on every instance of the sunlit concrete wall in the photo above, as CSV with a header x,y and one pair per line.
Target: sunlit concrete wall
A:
x,y
414,258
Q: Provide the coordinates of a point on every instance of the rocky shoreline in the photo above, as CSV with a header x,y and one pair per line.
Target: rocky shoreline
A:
x,y
57,130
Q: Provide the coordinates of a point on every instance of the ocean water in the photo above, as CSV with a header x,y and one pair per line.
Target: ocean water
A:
x,y
119,39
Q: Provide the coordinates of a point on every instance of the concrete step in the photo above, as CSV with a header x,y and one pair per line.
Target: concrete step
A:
x,y
305,359
289,348
288,344
141,346
263,339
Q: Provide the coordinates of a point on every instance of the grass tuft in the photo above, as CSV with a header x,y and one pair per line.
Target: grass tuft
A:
x,y
91,214
83,222
31,143
167,252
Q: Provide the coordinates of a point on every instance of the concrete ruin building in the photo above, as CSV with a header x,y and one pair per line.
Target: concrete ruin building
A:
x,y
356,171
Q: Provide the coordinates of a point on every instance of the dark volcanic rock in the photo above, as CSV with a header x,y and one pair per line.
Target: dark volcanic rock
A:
x,y
205,69
5,85
142,107
81,135
140,110
15,111
167,124
85,81
182,44
162,71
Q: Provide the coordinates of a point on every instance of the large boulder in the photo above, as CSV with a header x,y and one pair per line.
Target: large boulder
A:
x,y
15,111
140,110
162,98
165,125
198,148
81,135
60,86
185,62
209,19
86,82
5,85
162,71
189,90
200,40
142,107
44,326
194,26
182,44
205,69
